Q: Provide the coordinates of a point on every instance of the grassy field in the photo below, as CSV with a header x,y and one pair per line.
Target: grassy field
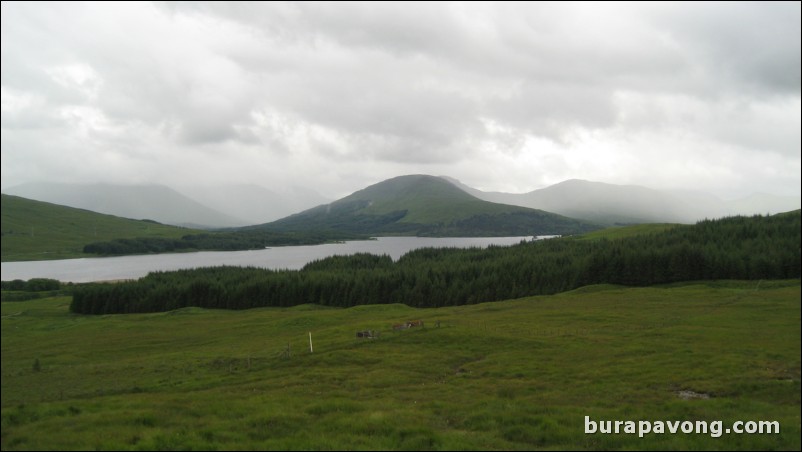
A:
x,y
35,230
519,374
622,232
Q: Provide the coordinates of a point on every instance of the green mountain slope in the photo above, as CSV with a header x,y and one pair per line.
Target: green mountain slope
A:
x,y
35,230
156,202
427,205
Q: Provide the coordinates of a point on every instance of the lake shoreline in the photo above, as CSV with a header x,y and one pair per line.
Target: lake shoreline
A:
x,y
93,269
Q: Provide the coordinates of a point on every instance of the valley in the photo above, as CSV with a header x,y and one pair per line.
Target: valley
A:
x,y
514,346
401,226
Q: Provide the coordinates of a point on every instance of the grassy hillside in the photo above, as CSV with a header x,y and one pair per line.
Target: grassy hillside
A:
x,y
427,199
34,230
155,202
513,375
427,205
621,232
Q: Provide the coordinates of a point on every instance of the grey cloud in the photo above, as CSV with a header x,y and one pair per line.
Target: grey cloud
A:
x,y
404,86
741,45
566,76
143,78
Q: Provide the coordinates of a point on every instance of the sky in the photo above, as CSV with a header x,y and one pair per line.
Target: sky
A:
x,y
337,96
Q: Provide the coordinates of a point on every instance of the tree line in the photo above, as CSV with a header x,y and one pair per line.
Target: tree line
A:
x,y
216,241
759,247
31,285
19,290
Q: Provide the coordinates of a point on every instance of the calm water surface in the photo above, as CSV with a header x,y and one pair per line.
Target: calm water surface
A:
x,y
289,257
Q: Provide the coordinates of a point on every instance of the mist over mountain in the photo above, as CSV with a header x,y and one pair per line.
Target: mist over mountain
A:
x,y
254,204
153,202
407,204
37,230
762,203
426,205
612,204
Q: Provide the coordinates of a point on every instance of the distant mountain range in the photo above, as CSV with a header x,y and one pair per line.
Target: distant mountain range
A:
x,y
610,204
198,207
426,205
253,204
241,205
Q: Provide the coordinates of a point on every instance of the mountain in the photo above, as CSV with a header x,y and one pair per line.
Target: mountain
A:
x,y
34,230
611,204
426,205
254,204
153,202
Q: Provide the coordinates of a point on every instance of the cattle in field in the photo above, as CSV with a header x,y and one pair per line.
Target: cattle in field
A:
x,y
367,334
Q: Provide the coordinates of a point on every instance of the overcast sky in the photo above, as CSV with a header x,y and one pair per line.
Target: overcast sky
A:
x,y
505,97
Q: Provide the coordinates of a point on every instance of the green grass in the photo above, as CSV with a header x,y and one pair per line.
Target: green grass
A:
x,y
34,230
518,374
621,232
